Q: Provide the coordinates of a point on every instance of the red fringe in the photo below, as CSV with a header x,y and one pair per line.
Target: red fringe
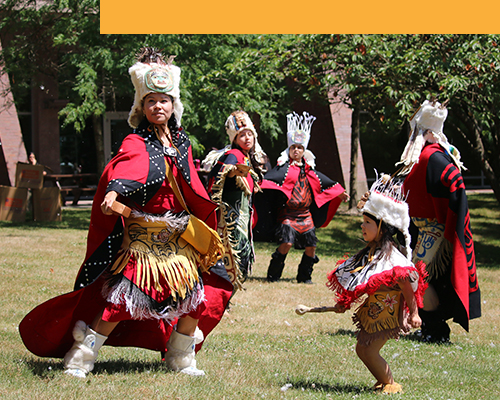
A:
x,y
422,283
388,278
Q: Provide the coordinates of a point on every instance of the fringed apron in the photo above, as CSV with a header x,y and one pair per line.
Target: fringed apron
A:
x,y
380,317
155,274
383,313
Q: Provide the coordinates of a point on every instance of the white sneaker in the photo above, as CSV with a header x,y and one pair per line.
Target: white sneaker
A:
x,y
193,371
79,373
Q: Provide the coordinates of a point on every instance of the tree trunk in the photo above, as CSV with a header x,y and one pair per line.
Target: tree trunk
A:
x,y
488,160
490,166
99,142
353,172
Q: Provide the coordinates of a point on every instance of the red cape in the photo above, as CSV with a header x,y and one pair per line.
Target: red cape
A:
x,y
435,189
47,330
281,179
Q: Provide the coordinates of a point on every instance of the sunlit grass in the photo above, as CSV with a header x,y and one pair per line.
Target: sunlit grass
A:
x,y
261,349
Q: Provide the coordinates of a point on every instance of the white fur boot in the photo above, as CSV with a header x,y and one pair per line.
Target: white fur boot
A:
x,y
79,360
180,352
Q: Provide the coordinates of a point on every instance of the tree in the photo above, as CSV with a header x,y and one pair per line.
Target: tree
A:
x,y
56,39
216,80
387,76
390,75
462,68
92,70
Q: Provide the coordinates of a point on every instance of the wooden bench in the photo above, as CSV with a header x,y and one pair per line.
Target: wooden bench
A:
x,y
74,185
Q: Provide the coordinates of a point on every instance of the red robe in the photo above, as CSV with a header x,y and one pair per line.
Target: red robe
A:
x,y
435,189
137,173
281,180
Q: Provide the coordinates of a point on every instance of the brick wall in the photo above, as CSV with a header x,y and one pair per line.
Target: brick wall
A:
x,y
10,131
342,122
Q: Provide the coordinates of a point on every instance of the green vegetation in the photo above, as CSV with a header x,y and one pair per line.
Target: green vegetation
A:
x,y
261,349
384,76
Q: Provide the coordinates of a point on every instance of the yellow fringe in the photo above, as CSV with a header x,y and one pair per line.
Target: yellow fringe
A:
x,y
175,259
180,271
230,255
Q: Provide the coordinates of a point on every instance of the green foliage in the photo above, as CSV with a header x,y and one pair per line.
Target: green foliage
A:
x,y
87,90
390,75
385,75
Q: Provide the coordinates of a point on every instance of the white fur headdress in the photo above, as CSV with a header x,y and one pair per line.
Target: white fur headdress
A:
x,y
155,77
386,202
299,132
429,116
427,126
239,121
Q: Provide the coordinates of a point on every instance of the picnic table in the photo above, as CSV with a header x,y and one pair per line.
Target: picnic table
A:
x,y
74,184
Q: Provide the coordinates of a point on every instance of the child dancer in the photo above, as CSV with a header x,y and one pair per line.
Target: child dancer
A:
x,y
234,178
384,272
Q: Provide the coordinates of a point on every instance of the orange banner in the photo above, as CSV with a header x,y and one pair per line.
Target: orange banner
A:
x,y
292,16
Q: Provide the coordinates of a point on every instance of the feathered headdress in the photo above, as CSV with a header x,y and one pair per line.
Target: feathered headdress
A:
x,y
152,74
386,202
299,132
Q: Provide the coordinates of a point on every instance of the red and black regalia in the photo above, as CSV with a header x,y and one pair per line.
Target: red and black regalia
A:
x,y
438,207
295,201
138,174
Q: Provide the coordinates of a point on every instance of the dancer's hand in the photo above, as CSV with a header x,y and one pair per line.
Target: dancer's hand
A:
x,y
344,197
239,170
107,203
414,320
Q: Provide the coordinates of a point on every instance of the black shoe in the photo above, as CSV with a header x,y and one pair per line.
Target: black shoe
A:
x,y
276,266
305,270
439,334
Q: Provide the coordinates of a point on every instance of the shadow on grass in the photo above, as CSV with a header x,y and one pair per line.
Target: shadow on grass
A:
x,y
71,219
415,336
47,368
338,388
411,337
254,278
487,255
342,332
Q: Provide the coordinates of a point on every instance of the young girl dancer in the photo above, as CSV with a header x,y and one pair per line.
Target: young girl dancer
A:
x,y
382,271
234,178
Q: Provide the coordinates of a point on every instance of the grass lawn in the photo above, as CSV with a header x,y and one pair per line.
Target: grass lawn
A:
x,y
261,349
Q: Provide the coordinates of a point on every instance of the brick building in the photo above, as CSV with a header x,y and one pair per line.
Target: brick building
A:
x,y
12,147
